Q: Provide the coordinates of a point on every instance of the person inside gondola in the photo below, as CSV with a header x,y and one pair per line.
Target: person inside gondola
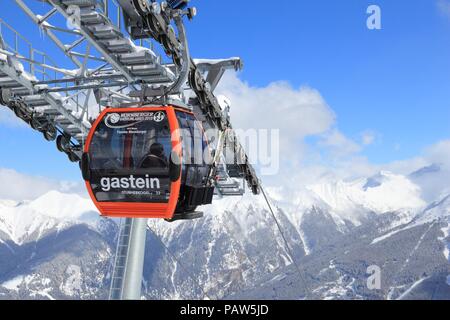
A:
x,y
156,158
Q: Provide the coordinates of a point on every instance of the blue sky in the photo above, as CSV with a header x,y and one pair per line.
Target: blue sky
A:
x,y
394,82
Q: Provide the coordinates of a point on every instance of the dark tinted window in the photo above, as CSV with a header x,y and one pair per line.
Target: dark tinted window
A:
x,y
130,156
194,142
195,150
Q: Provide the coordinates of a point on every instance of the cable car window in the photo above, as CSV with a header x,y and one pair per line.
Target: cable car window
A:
x,y
129,156
194,140
195,169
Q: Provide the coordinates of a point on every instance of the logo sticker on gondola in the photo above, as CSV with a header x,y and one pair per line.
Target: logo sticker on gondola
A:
x,y
129,119
159,116
114,118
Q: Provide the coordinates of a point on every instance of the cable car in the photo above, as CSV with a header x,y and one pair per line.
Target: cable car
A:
x,y
148,162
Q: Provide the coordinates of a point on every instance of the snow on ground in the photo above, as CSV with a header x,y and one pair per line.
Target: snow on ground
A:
x,y
342,288
278,278
384,192
438,211
20,220
33,284
392,291
386,236
446,232
72,285
44,293
306,247
407,292
414,250
60,205
13,284
381,193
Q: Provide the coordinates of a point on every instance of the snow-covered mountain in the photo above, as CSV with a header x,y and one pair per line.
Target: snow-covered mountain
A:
x,y
385,192
53,247
27,221
57,246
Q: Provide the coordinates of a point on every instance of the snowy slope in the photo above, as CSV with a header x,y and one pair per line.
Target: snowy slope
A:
x,y
236,245
233,245
382,193
30,220
344,201
55,247
436,211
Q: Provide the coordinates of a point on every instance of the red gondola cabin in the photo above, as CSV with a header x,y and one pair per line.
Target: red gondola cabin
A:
x,y
149,162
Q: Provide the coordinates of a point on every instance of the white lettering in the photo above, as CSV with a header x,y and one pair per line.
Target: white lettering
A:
x,y
199,311
124,183
140,183
105,183
155,183
115,183
374,20
374,280
130,182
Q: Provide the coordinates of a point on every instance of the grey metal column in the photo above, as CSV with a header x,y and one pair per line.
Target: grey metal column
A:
x,y
129,263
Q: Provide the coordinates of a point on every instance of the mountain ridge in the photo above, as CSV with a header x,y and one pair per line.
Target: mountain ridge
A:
x,y
236,251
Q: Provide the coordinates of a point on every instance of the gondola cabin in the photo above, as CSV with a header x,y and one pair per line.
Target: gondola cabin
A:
x,y
149,162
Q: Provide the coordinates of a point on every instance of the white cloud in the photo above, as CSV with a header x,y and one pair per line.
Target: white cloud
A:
x,y
359,166
297,112
433,183
18,186
439,153
438,183
303,112
339,145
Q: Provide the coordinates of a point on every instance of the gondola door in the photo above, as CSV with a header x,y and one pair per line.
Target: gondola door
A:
x,y
131,162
